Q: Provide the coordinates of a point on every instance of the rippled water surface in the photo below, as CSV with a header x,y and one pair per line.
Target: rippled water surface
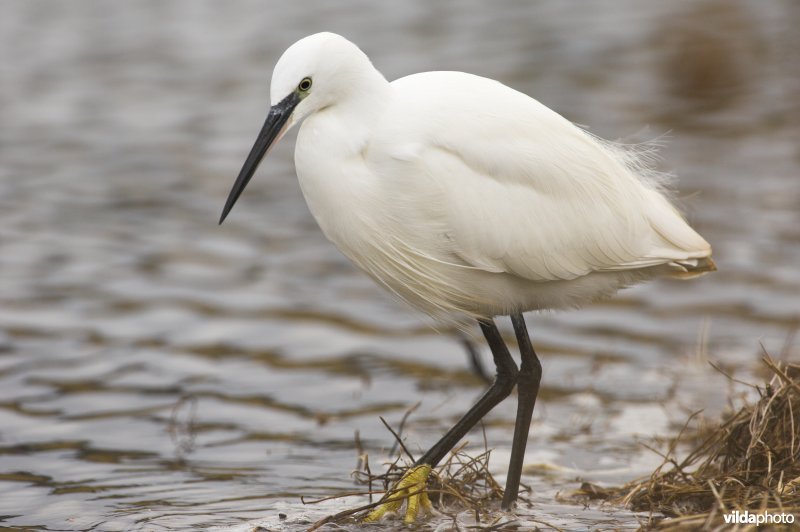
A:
x,y
160,372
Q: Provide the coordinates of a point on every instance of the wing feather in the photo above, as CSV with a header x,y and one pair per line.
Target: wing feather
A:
x,y
521,190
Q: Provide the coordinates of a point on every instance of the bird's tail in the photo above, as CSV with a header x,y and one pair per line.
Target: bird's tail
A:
x,y
690,268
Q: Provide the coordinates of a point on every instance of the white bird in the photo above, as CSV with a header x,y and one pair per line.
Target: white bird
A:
x,y
468,199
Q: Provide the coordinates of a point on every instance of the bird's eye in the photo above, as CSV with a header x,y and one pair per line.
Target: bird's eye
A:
x,y
305,84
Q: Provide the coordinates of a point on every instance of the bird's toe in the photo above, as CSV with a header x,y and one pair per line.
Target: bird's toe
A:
x,y
412,489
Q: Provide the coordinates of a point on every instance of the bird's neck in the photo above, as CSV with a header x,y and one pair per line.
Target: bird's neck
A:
x,y
362,102
343,128
330,157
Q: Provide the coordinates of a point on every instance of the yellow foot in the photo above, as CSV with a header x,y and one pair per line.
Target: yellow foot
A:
x,y
412,488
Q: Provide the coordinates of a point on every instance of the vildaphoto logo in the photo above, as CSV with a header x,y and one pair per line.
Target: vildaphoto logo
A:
x,y
746,517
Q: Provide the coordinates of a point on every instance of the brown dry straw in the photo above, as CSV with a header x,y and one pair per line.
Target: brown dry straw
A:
x,y
750,461
460,483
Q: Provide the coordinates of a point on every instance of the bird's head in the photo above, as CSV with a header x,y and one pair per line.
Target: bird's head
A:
x,y
313,74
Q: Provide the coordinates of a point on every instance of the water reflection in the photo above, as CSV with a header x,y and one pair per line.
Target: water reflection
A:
x,y
709,68
159,371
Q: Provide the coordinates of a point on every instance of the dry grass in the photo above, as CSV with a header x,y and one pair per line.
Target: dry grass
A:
x,y
750,461
461,483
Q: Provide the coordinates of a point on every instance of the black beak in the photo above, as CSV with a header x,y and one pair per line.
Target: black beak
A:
x,y
273,127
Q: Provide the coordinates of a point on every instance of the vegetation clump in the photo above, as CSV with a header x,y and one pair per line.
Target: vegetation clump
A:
x,y
749,462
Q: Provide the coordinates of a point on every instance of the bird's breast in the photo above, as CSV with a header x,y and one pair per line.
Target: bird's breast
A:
x,y
337,185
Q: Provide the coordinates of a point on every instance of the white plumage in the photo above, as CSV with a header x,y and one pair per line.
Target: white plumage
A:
x,y
467,198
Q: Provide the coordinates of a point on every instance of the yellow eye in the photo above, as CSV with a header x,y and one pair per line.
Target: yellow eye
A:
x,y
305,84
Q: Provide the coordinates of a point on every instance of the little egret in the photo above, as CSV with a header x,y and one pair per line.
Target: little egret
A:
x,y
468,200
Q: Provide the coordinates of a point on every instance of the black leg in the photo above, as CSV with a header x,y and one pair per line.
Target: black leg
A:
x,y
530,374
499,390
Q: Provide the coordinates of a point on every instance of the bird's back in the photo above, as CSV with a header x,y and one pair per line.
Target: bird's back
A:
x,y
486,202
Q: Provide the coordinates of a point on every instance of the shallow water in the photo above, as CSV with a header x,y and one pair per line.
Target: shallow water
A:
x,y
159,372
